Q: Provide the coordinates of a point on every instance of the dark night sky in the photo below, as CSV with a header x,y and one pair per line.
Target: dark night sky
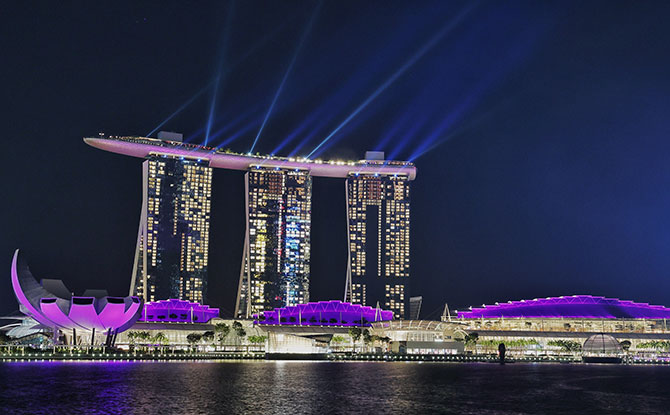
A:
x,y
540,131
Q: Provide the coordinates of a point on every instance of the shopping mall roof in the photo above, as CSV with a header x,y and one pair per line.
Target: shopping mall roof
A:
x,y
177,311
323,313
575,306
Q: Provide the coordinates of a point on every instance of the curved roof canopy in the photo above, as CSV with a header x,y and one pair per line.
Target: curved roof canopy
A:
x,y
63,311
324,313
576,306
146,146
178,311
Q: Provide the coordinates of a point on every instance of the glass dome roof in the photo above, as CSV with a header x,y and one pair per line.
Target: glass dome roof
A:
x,y
601,344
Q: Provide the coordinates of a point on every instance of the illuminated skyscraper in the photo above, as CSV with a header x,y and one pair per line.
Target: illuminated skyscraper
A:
x,y
172,243
275,264
378,217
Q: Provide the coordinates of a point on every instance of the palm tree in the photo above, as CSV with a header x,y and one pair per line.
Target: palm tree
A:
x,y
132,337
160,339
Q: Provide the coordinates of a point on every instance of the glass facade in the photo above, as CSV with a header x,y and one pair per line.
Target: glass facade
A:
x,y
378,215
276,261
172,243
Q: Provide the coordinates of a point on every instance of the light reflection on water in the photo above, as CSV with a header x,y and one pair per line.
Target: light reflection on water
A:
x,y
329,387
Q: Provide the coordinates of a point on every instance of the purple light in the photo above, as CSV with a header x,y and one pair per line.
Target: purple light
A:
x,y
237,161
178,311
81,313
323,313
576,306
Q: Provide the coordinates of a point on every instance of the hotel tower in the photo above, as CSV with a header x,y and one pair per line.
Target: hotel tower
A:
x,y
172,243
378,269
276,258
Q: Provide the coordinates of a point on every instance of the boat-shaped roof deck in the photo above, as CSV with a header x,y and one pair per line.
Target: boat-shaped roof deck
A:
x,y
225,159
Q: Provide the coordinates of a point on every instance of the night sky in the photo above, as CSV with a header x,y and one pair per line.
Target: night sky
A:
x,y
540,131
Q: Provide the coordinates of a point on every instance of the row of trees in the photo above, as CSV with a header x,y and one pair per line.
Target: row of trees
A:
x,y
662,345
222,334
509,343
145,339
472,339
356,333
566,345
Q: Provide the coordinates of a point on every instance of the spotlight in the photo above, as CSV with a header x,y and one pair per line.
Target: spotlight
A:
x,y
429,45
288,71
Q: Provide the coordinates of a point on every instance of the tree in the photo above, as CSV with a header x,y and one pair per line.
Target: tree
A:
x,y
337,339
625,345
4,338
208,336
222,330
355,333
160,338
257,339
239,329
471,340
566,345
367,338
193,339
144,335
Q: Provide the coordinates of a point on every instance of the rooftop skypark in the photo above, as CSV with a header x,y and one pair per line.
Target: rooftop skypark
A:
x,y
227,159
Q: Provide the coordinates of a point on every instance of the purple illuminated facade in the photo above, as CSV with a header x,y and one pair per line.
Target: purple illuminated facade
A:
x,y
177,311
63,311
145,146
576,306
323,313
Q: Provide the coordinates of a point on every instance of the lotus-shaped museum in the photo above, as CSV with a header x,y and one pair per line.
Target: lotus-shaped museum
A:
x,y
53,305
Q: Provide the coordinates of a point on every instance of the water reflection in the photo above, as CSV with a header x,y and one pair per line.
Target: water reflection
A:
x,y
329,387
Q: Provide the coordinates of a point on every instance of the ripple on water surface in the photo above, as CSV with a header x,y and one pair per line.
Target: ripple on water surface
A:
x,y
330,387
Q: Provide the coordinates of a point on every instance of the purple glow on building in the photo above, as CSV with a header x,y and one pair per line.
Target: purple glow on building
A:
x,y
143,146
576,306
323,313
81,313
178,311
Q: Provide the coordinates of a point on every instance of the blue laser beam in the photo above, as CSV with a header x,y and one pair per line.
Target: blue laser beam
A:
x,y
180,109
424,49
217,79
248,53
212,106
232,124
237,134
294,134
286,74
443,132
